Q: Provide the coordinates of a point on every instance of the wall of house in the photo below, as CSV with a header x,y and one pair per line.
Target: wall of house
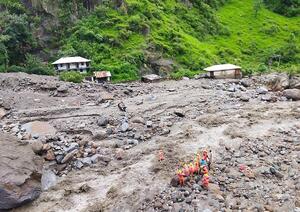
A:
x,y
73,66
62,67
224,74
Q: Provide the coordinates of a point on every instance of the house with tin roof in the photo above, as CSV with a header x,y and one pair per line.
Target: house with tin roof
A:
x,y
79,64
224,71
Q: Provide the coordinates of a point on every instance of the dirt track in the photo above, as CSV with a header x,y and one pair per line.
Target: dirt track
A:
x,y
213,118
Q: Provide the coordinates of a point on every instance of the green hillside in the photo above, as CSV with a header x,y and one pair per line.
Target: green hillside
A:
x,y
169,37
123,40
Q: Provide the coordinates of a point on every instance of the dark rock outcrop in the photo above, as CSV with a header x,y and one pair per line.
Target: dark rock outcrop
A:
x,y
20,173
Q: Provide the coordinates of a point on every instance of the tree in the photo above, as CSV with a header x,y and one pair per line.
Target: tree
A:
x,y
4,59
20,39
284,7
257,5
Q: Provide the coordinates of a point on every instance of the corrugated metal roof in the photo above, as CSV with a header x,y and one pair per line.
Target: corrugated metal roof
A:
x,y
102,74
64,60
222,67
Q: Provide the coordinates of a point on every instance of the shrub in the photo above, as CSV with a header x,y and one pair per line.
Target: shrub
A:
x,y
41,71
183,73
71,76
262,68
15,68
35,66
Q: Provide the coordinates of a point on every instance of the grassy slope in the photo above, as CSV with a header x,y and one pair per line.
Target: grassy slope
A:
x,y
179,32
249,33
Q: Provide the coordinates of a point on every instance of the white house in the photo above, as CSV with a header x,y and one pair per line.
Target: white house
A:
x,y
224,71
72,64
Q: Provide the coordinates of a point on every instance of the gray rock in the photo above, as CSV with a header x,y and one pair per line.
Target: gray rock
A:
x,y
196,187
245,98
179,113
63,89
124,126
103,121
132,142
246,83
278,82
78,164
71,147
35,136
232,88
295,82
266,98
69,156
262,90
138,120
276,172
86,161
188,200
293,94
151,78
149,123
99,135
37,147
96,158
48,180
59,158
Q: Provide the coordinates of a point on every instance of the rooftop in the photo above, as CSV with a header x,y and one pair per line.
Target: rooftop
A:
x,y
102,74
71,60
222,67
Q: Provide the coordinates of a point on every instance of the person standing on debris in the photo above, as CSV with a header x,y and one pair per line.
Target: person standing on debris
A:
x,y
180,175
161,156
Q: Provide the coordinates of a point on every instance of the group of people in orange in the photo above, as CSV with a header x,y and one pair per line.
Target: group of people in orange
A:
x,y
199,166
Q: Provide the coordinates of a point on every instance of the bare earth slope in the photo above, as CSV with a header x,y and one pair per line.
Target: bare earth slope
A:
x,y
106,159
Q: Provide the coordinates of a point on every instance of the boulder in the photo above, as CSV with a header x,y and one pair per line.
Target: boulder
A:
x,y
138,120
262,90
245,98
124,126
103,121
295,82
37,146
151,78
69,156
20,173
63,89
99,135
293,94
278,82
48,179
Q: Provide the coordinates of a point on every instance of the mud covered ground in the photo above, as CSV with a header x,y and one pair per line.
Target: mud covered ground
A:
x,y
112,155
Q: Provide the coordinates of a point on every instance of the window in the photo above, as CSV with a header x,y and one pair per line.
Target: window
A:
x,y
82,64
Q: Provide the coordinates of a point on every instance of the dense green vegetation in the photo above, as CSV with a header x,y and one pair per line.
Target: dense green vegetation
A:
x,y
128,37
284,7
71,76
